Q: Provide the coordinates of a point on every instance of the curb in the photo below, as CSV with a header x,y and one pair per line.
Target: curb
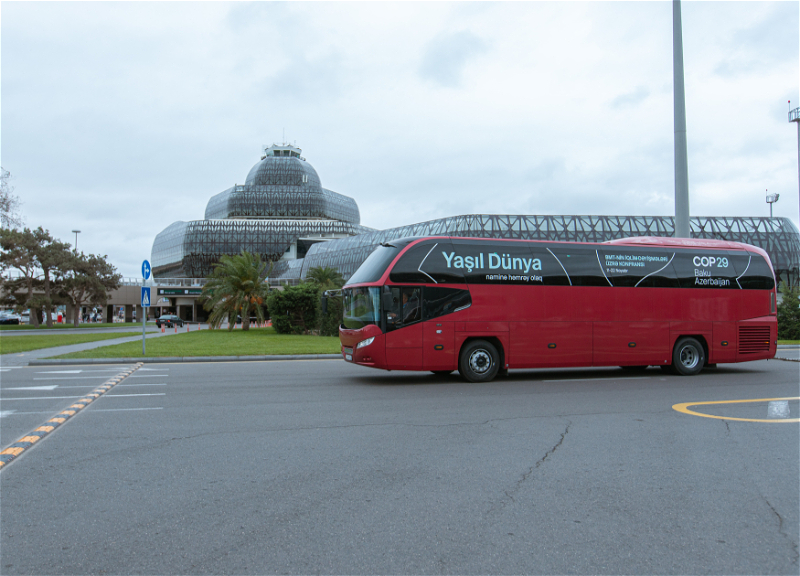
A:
x,y
18,447
178,359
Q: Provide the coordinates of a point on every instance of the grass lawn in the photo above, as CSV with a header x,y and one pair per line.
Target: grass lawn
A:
x,y
11,345
254,342
788,341
67,326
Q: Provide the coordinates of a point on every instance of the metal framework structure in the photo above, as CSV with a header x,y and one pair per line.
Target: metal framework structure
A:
x,y
190,249
778,236
282,204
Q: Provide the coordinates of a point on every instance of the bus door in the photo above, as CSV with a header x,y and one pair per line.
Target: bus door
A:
x,y
403,314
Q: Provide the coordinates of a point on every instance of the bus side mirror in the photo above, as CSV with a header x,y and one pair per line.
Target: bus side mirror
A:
x,y
324,304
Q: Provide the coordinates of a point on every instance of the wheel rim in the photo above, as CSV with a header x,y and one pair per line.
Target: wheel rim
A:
x,y
689,357
480,361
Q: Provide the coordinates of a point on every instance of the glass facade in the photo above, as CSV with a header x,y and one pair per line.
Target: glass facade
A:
x,y
279,213
777,236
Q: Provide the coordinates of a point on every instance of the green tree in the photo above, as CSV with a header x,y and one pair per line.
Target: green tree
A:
x,y
236,286
294,310
789,314
87,279
327,277
53,258
17,253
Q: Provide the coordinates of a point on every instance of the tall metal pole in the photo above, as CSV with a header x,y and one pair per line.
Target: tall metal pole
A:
x,y
679,98
794,116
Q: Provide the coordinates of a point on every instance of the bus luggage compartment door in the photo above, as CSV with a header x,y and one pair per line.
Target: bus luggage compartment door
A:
x,y
438,346
631,343
550,344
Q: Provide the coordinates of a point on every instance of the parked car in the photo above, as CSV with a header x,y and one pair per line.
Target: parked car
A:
x,y
169,320
9,318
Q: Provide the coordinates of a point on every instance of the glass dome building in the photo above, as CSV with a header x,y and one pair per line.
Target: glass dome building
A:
x,y
280,212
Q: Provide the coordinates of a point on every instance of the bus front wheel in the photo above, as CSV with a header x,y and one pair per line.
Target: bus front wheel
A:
x,y
479,361
688,357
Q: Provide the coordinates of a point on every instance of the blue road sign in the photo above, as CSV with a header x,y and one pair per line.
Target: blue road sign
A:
x,y
145,297
145,269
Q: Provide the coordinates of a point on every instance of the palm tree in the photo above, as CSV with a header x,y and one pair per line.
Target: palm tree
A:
x,y
236,287
326,277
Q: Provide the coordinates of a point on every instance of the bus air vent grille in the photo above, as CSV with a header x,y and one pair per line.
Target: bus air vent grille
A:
x,y
753,339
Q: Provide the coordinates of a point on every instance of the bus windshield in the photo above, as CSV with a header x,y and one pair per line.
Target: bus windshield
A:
x,y
375,265
361,307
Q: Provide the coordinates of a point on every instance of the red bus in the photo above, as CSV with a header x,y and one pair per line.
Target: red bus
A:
x,y
484,306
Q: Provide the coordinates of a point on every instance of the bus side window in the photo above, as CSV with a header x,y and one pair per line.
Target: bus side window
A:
x,y
440,301
405,307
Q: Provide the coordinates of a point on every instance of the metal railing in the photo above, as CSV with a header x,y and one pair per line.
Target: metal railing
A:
x,y
794,115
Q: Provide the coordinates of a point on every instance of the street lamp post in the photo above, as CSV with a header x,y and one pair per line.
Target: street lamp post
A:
x,y
76,232
794,116
771,199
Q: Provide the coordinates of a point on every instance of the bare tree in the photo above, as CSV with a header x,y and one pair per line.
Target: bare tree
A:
x,y
9,203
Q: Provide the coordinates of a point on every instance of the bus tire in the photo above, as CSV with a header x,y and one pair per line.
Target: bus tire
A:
x,y
688,356
479,361
441,372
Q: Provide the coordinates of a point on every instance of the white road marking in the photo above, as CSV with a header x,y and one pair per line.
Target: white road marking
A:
x,y
71,378
125,409
148,376
4,413
154,369
80,396
85,387
53,387
8,412
127,395
61,372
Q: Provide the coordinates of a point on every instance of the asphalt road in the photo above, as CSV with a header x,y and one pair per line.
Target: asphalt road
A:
x,y
323,467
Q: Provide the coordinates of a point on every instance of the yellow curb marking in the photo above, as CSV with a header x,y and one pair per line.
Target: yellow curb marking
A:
x,y
685,409
82,403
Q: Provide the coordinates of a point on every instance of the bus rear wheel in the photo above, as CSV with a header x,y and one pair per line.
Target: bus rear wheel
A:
x,y
479,361
688,357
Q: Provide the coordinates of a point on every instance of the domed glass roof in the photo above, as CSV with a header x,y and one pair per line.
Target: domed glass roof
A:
x,y
282,185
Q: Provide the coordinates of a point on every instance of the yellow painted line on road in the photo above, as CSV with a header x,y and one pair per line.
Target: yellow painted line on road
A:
x,y
684,408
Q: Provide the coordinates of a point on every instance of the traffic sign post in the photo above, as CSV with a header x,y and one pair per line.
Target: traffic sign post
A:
x,y
145,300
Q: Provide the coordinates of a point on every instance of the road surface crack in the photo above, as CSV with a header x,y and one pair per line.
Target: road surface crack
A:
x,y
784,534
511,493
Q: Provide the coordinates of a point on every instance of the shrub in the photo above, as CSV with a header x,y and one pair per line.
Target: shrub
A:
x,y
294,310
789,314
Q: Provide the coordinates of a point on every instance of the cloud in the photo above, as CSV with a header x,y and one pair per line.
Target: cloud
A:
x,y
446,56
631,98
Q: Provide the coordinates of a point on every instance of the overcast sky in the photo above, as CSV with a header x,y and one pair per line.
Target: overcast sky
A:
x,y
121,118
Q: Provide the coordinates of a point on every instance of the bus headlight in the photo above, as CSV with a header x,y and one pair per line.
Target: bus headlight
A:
x,y
366,342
